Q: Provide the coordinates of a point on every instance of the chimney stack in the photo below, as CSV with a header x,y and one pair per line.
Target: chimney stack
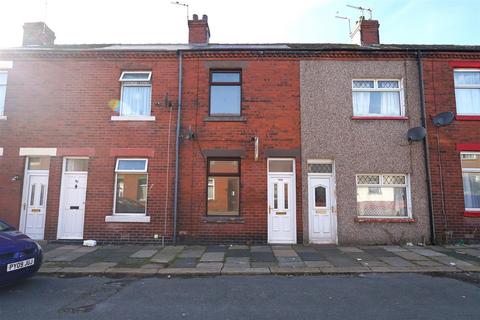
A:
x,y
37,34
198,31
366,32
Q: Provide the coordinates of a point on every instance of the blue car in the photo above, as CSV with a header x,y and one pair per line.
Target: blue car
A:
x,y
20,256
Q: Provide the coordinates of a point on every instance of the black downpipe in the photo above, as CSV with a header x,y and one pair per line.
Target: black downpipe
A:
x,y
425,146
177,145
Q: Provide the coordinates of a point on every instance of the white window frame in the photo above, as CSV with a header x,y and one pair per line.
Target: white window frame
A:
x,y
469,170
117,171
376,89
406,185
466,86
288,172
134,83
2,111
211,185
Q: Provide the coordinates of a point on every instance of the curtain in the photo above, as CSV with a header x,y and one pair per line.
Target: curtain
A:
x,y
468,101
361,103
400,198
471,190
136,101
390,103
467,78
3,90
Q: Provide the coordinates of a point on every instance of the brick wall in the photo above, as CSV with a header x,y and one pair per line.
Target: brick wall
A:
x,y
64,103
450,222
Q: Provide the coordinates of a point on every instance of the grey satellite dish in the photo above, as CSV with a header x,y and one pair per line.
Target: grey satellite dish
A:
x,y
416,134
443,119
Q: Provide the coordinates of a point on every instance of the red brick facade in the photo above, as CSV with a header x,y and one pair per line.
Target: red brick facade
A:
x,y
452,222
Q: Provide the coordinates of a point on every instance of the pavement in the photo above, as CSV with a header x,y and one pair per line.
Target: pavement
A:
x,y
212,260
356,296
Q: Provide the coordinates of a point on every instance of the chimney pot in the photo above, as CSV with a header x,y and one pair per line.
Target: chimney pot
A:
x,y
37,34
366,32
198,30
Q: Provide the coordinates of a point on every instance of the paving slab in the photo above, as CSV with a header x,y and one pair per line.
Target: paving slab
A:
x,y
153,266
396,262
285,253
428,263
131,271
318,264
310,256
263,264
374,263
282,247
58,252
184,263
263,257
238,247
302,248
411,256
238,253
426,252
294,270
74,254
210,265
144,253
378,252
49,270
216,248
212,257
167,254
192,252
394,248
339,261
260,249
449,261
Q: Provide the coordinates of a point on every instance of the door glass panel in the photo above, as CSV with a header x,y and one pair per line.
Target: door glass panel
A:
x,y
280,166
285,194
275,196
320,197
42,192
76,165
32,195
38,163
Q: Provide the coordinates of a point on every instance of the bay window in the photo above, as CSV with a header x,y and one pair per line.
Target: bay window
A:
x,y
383,195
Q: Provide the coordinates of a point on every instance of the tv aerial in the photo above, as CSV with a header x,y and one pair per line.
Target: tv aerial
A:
x,y
362,9
177,3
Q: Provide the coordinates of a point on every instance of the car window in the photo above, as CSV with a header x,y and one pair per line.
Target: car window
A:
x,y
4,226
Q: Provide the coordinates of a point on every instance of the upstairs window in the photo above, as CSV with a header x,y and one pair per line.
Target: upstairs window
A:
x,y
136,93
3,90
471,180
467,91
131,186
377,98
225,93
380,196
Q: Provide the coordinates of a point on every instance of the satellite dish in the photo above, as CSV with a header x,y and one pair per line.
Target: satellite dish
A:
x,y
416,134
443,119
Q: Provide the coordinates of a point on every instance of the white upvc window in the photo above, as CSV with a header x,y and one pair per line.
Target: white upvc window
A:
x,y
467,91
136,94
211,189
383,196
378,98
471,180
3,91
131,186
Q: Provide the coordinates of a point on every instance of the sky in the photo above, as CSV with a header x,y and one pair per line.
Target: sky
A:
x,y
242,21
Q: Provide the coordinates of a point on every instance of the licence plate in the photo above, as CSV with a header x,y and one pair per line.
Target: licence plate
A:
x,y
20,264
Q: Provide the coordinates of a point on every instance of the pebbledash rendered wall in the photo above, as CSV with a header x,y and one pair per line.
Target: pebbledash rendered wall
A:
x,y
362,146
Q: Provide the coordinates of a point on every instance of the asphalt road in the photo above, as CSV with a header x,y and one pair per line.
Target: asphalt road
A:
x,y
372,296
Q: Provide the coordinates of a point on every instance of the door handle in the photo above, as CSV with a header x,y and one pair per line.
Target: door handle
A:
x,y
269,209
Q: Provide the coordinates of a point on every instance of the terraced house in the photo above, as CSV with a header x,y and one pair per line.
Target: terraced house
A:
x,y
202,142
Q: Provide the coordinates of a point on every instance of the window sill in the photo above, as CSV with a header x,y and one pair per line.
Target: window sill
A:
x,y
128,218
3,117
467,118
132,118
472,214
223,219
384,220
378,118
224,119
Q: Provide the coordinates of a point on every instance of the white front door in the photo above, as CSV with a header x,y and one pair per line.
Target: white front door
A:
x,y
72,199
281,209
321,220
35,205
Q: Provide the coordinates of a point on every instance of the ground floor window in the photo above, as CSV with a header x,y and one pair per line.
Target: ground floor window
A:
x,y
382,195
223,187
471,180
131,181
